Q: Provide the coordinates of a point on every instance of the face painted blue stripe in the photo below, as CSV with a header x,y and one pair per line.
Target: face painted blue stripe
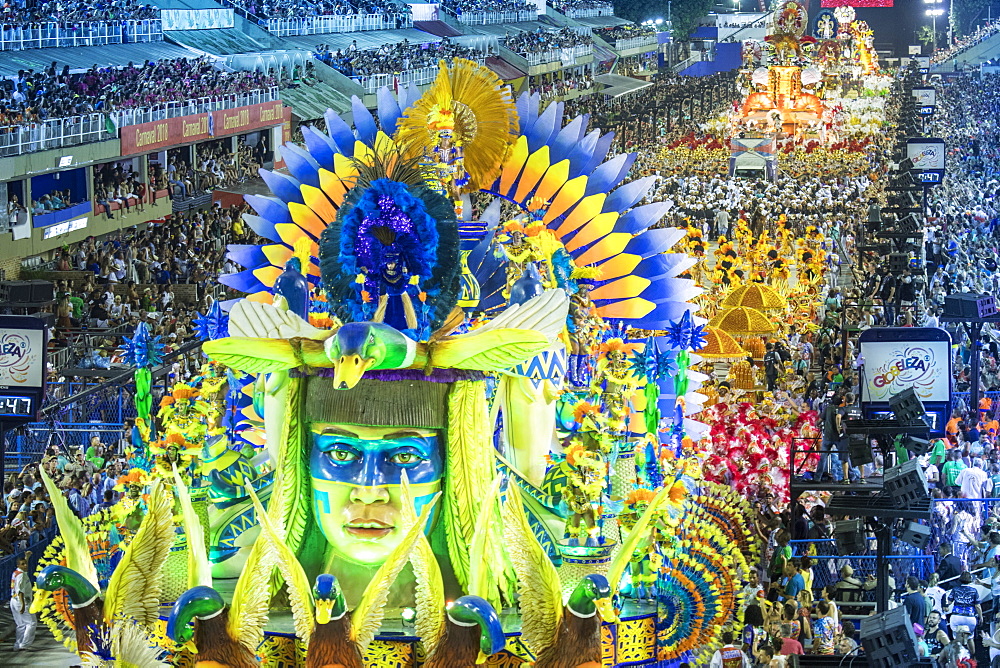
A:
x,y
322,501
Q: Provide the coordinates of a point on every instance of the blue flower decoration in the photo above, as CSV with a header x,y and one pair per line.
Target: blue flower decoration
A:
x,y
683,334
214,325
143,349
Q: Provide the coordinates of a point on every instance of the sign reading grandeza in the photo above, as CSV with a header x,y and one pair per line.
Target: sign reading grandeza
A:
x,y
155,135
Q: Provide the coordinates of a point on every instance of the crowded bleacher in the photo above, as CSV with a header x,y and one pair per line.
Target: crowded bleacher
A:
x,y
278,9
461,7
68,13
614,33
57,93
583,8
542,41
393,58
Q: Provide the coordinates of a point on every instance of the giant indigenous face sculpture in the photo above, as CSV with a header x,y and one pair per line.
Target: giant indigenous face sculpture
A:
x,y
356,472
361,442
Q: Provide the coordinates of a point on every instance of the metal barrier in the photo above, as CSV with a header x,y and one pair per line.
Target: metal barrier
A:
x,y
567,55
321,25
906,560
201,105
635,42
54,133
8,563
88,33
482,18
587,12
418,77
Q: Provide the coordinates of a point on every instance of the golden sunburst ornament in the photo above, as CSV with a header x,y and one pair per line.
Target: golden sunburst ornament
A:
x,y
472,102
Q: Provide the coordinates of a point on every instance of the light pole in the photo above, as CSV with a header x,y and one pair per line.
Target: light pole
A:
x,y
934,12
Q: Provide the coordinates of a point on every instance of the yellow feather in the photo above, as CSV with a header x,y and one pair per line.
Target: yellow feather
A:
x,y
611,245
252,355
73,534
479,562
316,200
555,176
536,166
471,468
135,586
484,113
624,553
299,591
489,350
252,597
367,617
512,167
588,219
429,583
199,569
571,193
537,579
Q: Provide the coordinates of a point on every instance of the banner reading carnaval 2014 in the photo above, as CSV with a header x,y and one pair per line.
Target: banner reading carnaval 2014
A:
x,y
893,366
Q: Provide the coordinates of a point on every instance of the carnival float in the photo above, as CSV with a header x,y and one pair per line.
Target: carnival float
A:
x,y
451,423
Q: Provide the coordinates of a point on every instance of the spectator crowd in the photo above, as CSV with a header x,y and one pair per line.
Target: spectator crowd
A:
x,y
54,92
489,6
70,13
542,41
303,9
393,58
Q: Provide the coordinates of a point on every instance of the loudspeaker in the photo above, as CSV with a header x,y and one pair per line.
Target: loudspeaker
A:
x,y
905,484
898,262
888,639
42,291
907,407
908,223
849,538
915,534
968,305
914,445
17,292
860,450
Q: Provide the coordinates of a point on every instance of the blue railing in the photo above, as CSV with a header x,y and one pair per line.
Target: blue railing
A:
x,y
906,560
8,563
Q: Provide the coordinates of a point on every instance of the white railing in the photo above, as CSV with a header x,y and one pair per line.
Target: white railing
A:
x,y
321,25
92,33
75,130
53,133
201,105
418,77
635,42
587,12
567,56
493,18
695,57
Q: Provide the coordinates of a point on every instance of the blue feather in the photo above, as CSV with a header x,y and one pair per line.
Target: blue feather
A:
x,y
340,132
320,146
364,123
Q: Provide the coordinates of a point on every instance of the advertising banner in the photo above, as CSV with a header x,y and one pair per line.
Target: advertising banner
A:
x,y
926,153
893,366
22,358
147,137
